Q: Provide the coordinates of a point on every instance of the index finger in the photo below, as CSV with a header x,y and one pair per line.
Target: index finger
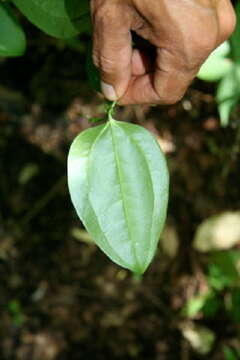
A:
x,y
112,48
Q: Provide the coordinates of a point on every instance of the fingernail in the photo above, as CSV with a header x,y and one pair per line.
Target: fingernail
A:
x,y
108,91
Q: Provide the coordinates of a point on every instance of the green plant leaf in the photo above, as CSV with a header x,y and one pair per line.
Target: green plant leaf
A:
x,y
228,87
208,303
212,305
228,94
194,305
216,66
225,108
12,37
59,18
223,270
214,69
229,354
236,36
118,181
235,309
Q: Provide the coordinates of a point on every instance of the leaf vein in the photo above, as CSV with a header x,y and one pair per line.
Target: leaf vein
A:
x,y
88,192
122,192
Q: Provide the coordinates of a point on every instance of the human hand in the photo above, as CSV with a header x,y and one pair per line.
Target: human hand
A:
x,y
184,33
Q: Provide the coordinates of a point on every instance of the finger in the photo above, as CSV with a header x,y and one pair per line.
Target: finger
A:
x,y
172,76
140,91
112,50
227,20
141,64
166,85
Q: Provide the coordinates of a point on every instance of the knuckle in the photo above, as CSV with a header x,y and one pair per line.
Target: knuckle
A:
x,y
194,53
103,15
192,59
106,64
228,25
166,96
169,99
109,63
204,47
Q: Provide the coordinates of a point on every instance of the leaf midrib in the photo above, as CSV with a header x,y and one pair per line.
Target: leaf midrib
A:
x,y
112,123
92,208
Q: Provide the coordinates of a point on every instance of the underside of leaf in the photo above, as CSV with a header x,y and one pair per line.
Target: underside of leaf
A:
x,y
118,182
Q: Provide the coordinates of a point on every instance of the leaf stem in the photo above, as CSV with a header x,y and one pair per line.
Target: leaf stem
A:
x,y
111,109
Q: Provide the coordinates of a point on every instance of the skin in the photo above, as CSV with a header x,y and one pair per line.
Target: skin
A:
x,y
183,33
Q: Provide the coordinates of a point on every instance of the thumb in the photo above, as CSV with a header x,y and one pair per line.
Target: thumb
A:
x,y
112,48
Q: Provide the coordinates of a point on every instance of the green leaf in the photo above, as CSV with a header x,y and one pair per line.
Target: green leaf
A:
x,y
216,66
229,354
194,305
235,310
225,108
229,86
223,269
222,50
228,94
234,40
12,37
59,18
214,69
208,303
118,181
14,308
212,305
